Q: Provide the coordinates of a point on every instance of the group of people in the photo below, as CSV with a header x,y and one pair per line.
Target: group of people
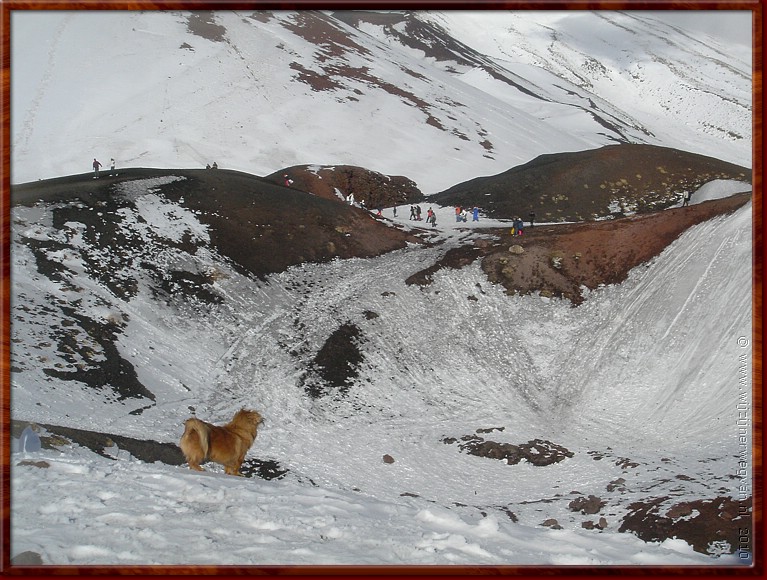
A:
x,y
518,226
461,215
97,167
350,200
415,214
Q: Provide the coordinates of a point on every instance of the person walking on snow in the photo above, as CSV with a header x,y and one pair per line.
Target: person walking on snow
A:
x,y
431,217
96,166
687,196
112,166
475,214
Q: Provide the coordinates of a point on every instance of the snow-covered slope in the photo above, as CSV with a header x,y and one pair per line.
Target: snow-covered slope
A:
x,y
258,91
643,390
655,71
640,384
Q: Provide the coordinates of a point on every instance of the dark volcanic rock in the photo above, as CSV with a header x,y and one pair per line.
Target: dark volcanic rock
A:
x,y
146,450
559,259
375,189
101,368
27,558
537,452
587,505
255,225
265,227
336,364
261,226
588,184
710,526
455,258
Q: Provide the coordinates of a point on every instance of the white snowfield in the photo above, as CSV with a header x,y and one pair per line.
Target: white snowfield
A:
x,y
655,372
140,87
647,371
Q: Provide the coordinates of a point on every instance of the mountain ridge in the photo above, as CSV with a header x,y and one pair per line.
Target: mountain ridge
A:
x,y
593,184
257,91
590,381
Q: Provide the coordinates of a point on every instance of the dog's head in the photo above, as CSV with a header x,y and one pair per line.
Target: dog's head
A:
x,y
248,416
246,422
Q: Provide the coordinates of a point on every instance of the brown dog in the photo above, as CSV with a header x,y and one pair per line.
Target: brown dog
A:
x,y
226,445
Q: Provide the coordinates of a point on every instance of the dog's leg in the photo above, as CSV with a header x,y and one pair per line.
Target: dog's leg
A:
x,y
195,466
233,469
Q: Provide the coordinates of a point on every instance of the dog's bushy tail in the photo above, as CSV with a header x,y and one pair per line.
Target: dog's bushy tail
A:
x,y
195,440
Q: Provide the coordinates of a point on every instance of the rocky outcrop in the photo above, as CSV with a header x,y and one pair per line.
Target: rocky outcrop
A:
x,y
536,452
597,183
371,188
587,505
560,260
109,445
710,526
336,364
262,227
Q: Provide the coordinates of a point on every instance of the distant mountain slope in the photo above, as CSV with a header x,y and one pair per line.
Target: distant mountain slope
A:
x,y
584,185
666,71
437,97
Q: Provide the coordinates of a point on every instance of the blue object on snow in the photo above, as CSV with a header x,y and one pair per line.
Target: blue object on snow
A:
x,y
29,441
